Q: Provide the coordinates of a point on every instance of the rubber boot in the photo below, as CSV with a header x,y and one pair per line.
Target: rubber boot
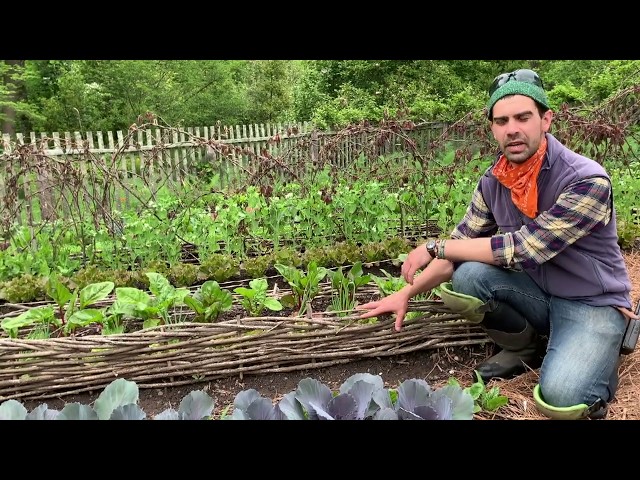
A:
x,y
519,350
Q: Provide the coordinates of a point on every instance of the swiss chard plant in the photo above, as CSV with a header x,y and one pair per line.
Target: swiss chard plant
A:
x,y
135,303
209,301
305,286
71,311
388,283
344,287
256,299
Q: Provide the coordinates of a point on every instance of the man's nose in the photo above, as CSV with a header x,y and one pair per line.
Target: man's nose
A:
x,y
512,128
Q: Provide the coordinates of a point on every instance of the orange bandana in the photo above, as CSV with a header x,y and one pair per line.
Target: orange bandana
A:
x,y
522,180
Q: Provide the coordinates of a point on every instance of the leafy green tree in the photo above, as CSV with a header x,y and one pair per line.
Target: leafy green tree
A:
x,y
270,89
13,97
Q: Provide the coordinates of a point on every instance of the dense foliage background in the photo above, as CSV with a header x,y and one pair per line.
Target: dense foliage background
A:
x,y
92,95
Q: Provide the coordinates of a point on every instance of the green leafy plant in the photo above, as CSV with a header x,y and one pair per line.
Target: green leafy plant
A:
x,y
24,288
487,400
220,267
255,298
256,267
344,287
209,301
71,313
305,286
388,284
135,303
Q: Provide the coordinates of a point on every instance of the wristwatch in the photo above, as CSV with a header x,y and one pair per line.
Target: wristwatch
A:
x,y
432,247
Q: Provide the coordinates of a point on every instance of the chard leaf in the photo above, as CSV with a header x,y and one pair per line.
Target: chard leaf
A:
x,y
312,390
462,402
159,285
194,304
132,295
290,407
128,412
412,393
31,316
42,412
197,405
95,292
245,292
77,411
80,318
118,393
12,410
273,304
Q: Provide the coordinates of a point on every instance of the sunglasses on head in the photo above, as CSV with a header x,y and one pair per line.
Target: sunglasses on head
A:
x,y
522,75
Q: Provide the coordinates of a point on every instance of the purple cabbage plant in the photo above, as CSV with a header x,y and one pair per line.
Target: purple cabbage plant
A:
x,y
361,397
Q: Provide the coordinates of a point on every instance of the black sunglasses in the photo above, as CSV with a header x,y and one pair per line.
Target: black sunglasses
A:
x,y
522,75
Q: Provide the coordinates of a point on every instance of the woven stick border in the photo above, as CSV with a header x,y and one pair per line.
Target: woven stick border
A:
x,y
190,353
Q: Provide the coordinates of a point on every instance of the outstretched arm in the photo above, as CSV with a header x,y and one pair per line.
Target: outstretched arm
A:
x,y
436,272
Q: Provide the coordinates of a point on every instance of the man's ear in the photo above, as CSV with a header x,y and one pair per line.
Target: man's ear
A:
x,y
546,120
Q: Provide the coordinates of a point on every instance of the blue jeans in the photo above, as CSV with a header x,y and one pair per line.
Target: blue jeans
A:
x,y
583,352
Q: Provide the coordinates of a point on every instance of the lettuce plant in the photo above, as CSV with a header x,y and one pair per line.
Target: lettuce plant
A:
x,y
485,399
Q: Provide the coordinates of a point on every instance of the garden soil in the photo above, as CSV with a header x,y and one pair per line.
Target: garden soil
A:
x,y
435,366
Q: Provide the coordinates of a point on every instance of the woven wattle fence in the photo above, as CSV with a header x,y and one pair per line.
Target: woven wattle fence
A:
x,y
188,353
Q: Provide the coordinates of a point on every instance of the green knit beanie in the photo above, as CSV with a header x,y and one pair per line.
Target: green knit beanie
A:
x,y
514,87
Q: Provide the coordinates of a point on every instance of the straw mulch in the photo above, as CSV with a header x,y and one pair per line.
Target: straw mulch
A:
x,y
626,405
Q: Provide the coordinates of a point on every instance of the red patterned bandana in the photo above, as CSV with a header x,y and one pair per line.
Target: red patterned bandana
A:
x,y
522,179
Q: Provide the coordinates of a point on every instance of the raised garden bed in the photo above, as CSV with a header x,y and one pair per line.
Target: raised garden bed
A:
x,y
189,353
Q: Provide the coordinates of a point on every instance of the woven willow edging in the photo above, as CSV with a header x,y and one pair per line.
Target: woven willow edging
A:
x,y
189,353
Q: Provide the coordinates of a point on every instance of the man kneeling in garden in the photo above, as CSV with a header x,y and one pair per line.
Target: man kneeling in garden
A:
x,y
536,255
